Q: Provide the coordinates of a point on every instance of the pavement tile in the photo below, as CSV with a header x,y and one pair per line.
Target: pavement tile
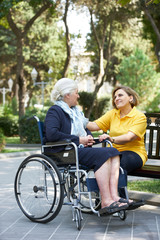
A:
x,y
141,224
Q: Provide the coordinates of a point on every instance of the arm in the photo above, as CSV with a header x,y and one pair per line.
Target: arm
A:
x,y
92,126
136,131
58,126
122,139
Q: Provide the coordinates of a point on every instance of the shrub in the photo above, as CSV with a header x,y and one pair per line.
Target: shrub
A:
x,y
85,100
100,105
14,106
28,129
9,124
2,140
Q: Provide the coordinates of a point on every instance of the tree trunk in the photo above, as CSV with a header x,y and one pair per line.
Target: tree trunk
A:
x,y
20,77
99,83
155,28
100,78
68,45
20,36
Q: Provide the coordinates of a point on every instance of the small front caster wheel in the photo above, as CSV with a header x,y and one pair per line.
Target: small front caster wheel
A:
x,y
77,218
122,215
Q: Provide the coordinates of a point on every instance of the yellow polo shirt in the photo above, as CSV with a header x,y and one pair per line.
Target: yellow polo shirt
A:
x,y
134,122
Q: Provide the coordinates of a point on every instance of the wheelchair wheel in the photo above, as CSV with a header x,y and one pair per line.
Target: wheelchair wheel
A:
x,y
77,218
39,189
122,214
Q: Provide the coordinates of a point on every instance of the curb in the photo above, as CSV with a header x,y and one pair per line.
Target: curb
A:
x,y
149,198
22,145
18,154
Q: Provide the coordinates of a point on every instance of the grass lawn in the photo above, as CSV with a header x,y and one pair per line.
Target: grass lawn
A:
x,y
152,186
15,150
12,140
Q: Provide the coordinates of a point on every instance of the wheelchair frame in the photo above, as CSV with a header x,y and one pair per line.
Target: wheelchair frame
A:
x,y
41,186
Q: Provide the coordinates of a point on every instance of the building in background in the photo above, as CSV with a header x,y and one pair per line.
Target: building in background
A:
x,y
80,65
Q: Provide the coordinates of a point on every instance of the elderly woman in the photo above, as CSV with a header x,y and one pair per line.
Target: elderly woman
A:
x,y
65,121
127,127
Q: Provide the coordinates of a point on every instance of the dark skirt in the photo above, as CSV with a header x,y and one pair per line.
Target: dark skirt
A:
x,y
94,158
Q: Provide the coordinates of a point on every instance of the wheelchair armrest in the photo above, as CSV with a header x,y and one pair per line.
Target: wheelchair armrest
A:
x,y
66,143
59,142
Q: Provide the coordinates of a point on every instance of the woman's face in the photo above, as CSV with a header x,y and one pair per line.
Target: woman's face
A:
x,y
72,98
122,99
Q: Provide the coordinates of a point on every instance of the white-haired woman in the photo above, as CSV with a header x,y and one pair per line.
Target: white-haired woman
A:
x,y
65,121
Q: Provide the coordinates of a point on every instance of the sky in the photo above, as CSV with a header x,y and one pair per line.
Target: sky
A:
x,y
79,23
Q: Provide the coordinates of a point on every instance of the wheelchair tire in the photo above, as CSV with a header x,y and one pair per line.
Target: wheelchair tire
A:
x,y
122,215
77,218
39,189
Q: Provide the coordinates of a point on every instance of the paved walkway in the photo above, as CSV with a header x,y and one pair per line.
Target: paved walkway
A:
x,y
141,224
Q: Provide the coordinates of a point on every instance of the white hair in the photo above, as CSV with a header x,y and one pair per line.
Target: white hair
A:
x,y
62,87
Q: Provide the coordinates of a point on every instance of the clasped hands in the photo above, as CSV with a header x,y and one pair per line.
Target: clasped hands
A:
x,y
89,140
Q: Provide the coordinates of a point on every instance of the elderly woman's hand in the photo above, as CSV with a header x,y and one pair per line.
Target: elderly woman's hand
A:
x,y
87,140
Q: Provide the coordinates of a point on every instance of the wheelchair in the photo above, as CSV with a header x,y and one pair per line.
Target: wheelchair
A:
x,y
44,182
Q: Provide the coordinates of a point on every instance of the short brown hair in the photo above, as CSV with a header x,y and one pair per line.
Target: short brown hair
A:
x,y
129,91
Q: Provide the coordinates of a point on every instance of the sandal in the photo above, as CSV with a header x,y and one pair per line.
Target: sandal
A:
x,y
132,205
124,200
114,207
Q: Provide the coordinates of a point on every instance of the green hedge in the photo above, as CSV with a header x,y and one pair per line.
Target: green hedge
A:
x,y
99,108
9,124
2,140
28,129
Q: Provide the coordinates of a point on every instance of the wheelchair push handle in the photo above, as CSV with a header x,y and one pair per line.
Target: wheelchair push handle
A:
x,y
33,117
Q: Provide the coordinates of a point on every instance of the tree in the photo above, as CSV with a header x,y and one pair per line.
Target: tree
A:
x,y
68,44
44,47
106,19
151,9
137,72
20,34
151,25
147,2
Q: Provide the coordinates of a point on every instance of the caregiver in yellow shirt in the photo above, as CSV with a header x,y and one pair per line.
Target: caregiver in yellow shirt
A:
x,y
127,127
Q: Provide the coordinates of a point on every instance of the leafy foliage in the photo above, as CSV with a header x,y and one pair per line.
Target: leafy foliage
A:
x,y
5,5
28,129
147,2
137,72
9,124
154,104
2,140
99,107
85,100
123,2
44,46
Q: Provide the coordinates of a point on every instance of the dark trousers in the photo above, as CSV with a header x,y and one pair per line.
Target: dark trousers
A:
x,y
129,161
